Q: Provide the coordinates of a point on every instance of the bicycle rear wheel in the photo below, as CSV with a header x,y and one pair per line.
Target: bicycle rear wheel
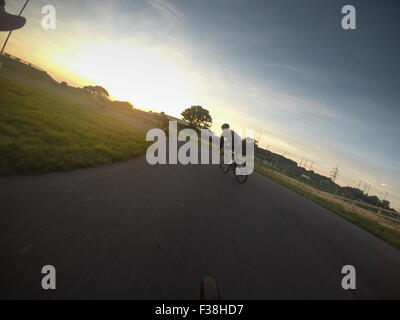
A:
x,y
224,167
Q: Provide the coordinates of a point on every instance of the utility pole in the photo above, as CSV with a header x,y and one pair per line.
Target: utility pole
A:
x,y
335,173
259,137
384,198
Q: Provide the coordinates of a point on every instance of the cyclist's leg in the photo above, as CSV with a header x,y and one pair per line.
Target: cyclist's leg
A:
x,y
240,162
227,154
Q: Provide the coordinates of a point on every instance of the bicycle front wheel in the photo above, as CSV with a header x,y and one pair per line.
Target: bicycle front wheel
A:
x,y
241,178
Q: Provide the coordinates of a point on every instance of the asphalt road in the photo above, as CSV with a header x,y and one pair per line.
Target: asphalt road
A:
x,y
136,231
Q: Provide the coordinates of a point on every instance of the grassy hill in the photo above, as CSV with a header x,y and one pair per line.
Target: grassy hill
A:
x,y
44,132
28,70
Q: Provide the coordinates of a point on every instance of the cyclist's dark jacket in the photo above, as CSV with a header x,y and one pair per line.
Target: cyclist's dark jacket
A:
x,y
230,137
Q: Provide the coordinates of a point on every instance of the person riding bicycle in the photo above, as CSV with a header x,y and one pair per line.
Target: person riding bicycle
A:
x,y
234,142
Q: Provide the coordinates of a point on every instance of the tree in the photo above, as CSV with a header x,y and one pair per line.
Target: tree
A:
x,y
88,89
386,204
96,90
372,200
197,116
101,91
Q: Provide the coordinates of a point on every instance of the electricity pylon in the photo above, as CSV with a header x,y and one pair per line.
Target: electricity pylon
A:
x,y
335,173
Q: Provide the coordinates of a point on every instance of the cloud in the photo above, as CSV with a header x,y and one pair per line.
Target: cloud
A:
x,y
284,67
168,11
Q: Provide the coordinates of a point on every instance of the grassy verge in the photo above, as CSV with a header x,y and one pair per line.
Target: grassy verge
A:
x,y
43,132
135,114
390,236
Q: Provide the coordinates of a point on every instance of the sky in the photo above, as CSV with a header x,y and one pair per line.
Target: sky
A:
x,y
285,69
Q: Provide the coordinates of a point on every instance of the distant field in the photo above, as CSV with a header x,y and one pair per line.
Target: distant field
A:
x,y
44,132
144,117
382,228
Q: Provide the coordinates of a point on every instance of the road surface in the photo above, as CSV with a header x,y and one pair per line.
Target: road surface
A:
x,y
136,231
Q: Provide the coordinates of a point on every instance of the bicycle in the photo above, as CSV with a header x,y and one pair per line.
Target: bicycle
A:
x,y
232,166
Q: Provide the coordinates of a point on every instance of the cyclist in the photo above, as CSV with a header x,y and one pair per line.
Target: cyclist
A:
x,y
234,141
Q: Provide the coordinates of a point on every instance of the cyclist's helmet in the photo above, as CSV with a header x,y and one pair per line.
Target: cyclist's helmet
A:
x,y
225,126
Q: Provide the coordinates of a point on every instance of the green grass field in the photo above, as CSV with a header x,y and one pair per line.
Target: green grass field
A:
x,y
43,132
